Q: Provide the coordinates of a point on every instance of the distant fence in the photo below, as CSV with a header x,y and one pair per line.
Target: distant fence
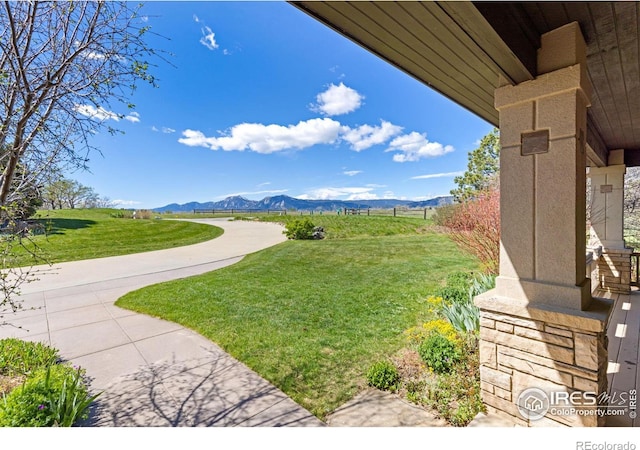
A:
x,y
423,213
282,212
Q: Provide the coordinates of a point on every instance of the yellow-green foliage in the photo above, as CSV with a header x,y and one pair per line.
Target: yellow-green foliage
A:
x,y
434,304
439,326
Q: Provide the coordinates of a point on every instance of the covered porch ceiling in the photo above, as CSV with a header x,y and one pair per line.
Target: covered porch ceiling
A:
x,y
465,50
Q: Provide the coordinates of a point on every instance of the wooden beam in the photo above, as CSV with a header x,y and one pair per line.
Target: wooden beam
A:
x,y
597,151
474,24
515,28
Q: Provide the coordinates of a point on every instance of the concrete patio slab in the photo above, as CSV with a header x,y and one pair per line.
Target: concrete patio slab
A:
x,y
117,312
150,406
108,365
86,339
24,326
71,301
374,408
139,327
179,347
78,316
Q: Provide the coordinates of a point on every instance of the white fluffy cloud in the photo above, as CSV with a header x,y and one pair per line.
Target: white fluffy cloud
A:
x,y
208,38
267,138
133,117
415,146
98,113
351,173
366,136
349,193
337,100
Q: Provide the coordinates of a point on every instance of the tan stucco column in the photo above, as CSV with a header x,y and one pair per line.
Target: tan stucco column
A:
x,y
540,327
543,185
606,225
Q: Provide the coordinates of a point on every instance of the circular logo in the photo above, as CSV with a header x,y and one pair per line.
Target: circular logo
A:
x,y
533,403
632,414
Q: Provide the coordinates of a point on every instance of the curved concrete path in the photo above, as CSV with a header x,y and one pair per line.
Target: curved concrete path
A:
x,y
153,372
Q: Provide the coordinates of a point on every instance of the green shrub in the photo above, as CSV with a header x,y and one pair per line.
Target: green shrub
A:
x,y
300,229
55,396
462,313
464,316
439,353
19,357
383,375
457,287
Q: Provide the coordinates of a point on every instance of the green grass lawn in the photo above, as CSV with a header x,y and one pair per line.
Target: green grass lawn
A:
x,y
75,234
312,316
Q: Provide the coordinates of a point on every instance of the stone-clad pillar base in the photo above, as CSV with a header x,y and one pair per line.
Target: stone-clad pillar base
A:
x,y
614,271
559,352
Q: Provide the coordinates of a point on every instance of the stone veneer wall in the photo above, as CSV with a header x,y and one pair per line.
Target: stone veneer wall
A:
x,y
614,271
551,351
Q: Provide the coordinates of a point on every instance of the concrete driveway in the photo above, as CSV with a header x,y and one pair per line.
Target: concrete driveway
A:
x,y
153,372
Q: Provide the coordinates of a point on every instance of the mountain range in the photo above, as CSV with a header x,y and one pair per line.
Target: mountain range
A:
x,y
291,203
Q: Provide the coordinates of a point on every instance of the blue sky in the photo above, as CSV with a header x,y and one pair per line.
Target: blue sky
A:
x,y
261,100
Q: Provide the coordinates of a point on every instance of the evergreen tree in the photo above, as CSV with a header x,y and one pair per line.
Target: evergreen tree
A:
x,y
482,169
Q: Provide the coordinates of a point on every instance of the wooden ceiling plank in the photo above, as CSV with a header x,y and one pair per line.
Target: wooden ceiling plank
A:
x,y
605,75
389,16
535,14
422,58
579,12
627,29
441,29
555,15
469,19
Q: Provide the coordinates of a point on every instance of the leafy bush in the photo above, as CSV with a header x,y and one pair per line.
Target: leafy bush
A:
x,y
439,353
457,287
55,396
19,357
299,229
456,395
383,375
